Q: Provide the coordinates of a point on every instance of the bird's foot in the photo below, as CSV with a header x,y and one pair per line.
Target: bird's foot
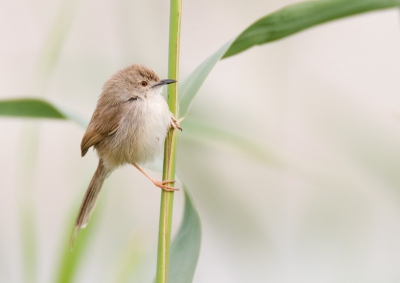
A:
x,y
162,185
175,124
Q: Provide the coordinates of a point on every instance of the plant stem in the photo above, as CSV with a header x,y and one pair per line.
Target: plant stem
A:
x,y
167,198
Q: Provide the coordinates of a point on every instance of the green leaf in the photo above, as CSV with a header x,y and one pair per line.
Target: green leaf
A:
x,y
29,107
185,247
282,23
300,16
38,108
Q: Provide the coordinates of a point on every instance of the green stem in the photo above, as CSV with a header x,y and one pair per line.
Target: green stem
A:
x,y
167,198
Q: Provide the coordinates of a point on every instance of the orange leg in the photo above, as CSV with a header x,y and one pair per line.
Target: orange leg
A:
x,y
160,184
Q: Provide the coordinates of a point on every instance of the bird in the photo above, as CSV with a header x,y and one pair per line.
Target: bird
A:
x,y
128,126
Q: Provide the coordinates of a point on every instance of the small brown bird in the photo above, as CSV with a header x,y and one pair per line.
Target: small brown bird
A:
x,y
129,125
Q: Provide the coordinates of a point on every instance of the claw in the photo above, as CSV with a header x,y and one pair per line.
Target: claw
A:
x,y
161,185
175,124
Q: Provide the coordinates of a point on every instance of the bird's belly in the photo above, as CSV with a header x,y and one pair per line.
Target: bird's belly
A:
x,y
140,138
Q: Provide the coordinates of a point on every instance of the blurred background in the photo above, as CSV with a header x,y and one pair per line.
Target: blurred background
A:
x,y
301,183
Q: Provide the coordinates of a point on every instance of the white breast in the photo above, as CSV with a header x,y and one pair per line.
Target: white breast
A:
x,y
143,130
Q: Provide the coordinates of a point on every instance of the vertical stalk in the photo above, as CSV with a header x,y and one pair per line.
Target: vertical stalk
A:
x,y
167,198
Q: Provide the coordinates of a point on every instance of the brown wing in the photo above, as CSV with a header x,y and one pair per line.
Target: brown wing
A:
x,y
105,121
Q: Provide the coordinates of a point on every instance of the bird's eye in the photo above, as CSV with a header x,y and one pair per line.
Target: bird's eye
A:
x,y
143,83
132,99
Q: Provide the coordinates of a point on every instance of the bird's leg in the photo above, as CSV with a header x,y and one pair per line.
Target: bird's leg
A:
x,y
175,123
160,184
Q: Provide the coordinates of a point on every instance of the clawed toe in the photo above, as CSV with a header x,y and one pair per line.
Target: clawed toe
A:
x,y
162,185
175,124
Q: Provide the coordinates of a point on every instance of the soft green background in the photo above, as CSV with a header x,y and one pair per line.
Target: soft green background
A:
x,y
303,185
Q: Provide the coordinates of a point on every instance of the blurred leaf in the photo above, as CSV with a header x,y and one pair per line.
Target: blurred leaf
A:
x,y
200,131
54,43
29,239
29,107
185,248
282,23
38,108
27,216
129,263
71,256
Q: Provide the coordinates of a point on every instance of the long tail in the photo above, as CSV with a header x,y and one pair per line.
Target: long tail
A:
x,y
90,199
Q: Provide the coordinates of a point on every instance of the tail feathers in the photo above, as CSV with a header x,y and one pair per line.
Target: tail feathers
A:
x,y
89,200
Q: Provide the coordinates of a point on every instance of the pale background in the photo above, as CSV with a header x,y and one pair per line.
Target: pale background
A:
x,y
325,103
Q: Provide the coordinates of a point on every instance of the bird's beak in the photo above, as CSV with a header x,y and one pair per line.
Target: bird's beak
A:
x,y
164,82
